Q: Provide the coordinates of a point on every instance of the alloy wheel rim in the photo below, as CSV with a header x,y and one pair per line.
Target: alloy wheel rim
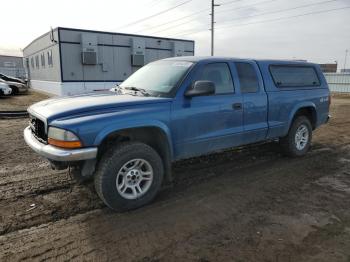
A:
x,y
134,178
301,137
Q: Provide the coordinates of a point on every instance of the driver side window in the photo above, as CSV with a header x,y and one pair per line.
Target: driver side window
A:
x,y
220,74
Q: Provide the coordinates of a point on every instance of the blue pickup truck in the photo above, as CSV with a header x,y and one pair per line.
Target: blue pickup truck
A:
x,y
174,109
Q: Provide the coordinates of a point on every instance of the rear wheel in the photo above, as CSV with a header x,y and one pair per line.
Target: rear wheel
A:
x,y
298,140
129,176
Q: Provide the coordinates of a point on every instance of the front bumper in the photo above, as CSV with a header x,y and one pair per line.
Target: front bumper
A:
x,y
5,91
58,154
22,89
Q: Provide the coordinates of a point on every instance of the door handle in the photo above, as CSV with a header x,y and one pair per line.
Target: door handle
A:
x,y
237,106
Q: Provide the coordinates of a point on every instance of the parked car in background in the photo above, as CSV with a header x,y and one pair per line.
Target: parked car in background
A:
x,y
12,79
5,90
17,88
174,109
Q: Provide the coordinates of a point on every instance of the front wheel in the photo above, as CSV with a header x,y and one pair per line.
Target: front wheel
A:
x,y
298,140
129,176
14,90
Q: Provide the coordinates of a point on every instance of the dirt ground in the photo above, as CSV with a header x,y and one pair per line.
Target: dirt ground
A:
x,y
248,204
21,101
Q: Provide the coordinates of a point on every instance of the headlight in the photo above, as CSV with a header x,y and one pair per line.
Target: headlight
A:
x,y
63,138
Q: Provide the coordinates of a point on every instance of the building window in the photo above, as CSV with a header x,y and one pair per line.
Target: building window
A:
x,y
247,77
37,61
294,76
49,58
42,56
32,62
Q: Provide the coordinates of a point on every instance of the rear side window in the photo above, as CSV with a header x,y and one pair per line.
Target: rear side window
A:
x,y
294,76
247,77
220,74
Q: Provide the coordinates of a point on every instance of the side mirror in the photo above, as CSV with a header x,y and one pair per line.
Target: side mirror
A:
x,y
201,88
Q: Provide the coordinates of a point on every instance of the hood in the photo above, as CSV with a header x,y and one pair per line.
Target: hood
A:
x,y
4,85
11,79
12,83
88,104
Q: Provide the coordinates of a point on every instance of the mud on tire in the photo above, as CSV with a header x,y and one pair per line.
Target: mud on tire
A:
x,y
119,165
289,143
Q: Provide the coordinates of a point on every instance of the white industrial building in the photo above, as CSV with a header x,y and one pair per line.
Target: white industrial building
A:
x,y
68,61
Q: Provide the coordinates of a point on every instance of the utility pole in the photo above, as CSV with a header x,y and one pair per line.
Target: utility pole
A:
x,y
336,65
213,5
346,56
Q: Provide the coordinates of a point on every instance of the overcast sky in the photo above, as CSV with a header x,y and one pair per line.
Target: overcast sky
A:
x,y
249,28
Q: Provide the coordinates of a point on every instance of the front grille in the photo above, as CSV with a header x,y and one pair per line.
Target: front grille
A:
x,y
38,129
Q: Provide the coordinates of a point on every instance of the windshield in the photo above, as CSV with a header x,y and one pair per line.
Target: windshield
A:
x,y
158,78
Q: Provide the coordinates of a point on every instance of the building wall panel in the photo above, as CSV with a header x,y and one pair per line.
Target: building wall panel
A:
x,y
113,57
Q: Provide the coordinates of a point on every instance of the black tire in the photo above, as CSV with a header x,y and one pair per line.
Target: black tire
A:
x,y
14,90
288,143
110,164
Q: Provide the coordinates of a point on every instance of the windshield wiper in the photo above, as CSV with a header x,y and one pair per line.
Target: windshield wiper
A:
x,y
133,88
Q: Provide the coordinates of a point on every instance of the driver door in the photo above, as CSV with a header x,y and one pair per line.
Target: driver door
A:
x,y
204,124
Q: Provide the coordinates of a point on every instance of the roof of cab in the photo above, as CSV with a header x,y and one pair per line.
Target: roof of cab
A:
x,y
218,58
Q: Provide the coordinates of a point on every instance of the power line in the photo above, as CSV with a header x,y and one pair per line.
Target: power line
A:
x,y
156,14
246,6
170,27
281,10
242,7
266,21
262,14
287,17
153,3
195,14
231,2
176,20
191,31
